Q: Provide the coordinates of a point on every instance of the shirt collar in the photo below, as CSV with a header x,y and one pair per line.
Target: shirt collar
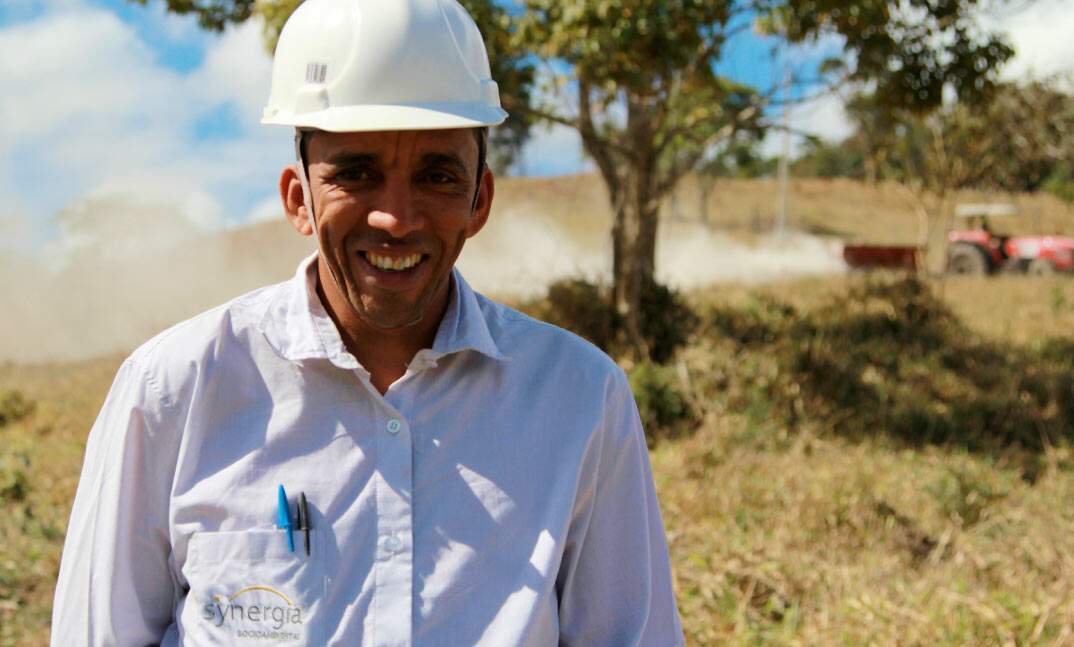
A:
x,y
297,325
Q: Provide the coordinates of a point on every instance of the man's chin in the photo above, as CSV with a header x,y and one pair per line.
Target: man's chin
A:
x,y
388,319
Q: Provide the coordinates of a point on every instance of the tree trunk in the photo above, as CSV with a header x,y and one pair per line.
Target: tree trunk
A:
x,y
705,183
633,260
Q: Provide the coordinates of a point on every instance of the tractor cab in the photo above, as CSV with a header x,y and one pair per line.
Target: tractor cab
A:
x,y
980,244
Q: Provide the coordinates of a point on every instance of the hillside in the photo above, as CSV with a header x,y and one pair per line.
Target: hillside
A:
x,y
541,230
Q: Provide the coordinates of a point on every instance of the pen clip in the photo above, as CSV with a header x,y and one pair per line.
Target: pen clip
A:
x,y
304,520
283,517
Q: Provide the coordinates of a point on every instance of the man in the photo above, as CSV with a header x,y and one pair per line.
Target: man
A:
x,y
370,453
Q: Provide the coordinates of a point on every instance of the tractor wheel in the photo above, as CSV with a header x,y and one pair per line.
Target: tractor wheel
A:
x,y
1040,267
966,259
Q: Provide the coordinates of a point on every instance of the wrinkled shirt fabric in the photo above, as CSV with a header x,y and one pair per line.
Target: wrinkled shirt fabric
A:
x,y
499,493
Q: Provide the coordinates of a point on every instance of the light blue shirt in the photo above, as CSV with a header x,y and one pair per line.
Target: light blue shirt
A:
x,y
499,493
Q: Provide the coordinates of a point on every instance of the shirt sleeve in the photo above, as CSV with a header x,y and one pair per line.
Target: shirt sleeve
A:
x,y
116,585
614,582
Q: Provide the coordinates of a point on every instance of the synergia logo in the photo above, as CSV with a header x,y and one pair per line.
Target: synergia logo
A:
x,y
258,612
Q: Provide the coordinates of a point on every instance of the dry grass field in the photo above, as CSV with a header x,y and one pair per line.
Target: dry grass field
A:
x,y
778,535
828,489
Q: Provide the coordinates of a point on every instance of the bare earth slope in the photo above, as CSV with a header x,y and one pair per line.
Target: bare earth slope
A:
x,y
542,229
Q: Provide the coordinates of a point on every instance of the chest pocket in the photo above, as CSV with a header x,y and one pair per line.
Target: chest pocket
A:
x,y
248,588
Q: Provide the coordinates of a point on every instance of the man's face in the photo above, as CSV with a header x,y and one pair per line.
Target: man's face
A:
x,y
393,210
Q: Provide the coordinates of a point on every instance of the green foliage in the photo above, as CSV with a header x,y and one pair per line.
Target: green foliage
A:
x,y
821,159
665,410
909,50
581,307
742,158
14,406
14,481
213,15
889,357
1060,182
667,321
966,488
646,82
585,309
1018,137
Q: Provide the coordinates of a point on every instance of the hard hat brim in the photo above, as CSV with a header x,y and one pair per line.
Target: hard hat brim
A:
x,y
372,118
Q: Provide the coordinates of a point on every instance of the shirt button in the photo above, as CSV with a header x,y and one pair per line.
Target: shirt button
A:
x,y
394,426
393,543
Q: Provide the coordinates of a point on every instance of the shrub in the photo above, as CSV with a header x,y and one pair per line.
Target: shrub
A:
x,y
665,410
1061,183
889,357
586,309
14,406
667,321
14,482
582,308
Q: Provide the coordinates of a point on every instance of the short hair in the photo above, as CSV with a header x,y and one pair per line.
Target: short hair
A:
x,y
481,136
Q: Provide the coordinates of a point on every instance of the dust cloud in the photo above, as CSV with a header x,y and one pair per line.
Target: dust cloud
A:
x,y
125,270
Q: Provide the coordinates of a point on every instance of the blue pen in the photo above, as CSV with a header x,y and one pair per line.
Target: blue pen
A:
x,y
283,517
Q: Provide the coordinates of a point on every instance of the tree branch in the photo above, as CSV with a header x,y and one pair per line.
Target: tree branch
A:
x,y
598,148
687,162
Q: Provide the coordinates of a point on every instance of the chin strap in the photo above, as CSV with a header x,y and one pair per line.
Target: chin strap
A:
x,y
307,196
307,201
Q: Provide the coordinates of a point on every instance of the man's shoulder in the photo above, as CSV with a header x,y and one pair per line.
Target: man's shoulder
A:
x,y
522,337
203,336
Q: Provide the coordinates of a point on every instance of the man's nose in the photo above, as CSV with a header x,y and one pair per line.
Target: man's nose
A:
x,y
395,213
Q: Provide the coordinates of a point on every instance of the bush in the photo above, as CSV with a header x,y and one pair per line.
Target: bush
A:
x,y
14,406
667,321
582,308
1061,183
889,357
586,309
665,411
14,482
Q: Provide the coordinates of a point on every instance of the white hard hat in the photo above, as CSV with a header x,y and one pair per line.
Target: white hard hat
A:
x,y
366,65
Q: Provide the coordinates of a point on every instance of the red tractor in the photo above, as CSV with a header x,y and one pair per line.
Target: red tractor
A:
x,y
978,249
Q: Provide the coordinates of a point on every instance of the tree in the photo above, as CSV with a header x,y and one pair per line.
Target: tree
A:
x,y
648,103
1016,137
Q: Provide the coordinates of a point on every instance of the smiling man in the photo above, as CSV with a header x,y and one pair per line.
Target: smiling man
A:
x,y
394,210
370,453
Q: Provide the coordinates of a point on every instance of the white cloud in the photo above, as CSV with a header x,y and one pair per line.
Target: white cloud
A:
x,y
1043,37
824,117
96,113
77,71
237,69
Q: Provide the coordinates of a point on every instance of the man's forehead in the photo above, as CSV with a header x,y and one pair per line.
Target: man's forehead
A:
x,y
389,145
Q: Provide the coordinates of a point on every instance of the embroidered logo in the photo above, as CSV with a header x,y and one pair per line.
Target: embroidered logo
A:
x,y
258,612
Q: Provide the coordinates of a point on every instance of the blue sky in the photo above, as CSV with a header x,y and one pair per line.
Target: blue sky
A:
x,y
111,101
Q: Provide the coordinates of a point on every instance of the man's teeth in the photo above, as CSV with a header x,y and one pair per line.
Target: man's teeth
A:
x,y
395,264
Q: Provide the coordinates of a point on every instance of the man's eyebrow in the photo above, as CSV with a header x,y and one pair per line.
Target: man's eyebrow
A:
x,y
445,159
353,159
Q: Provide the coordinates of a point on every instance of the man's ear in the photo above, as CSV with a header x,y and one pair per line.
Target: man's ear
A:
x,y
294,206
483,205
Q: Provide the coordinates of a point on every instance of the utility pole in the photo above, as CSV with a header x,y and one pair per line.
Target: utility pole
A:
x,y
784,160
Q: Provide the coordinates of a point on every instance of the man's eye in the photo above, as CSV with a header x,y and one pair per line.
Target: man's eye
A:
x,y
438,177
352,175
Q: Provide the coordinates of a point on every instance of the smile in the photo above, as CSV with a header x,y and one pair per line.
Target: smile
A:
x,y
390,264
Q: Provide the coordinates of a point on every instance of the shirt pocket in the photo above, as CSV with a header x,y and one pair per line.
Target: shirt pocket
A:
x,y
247,587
